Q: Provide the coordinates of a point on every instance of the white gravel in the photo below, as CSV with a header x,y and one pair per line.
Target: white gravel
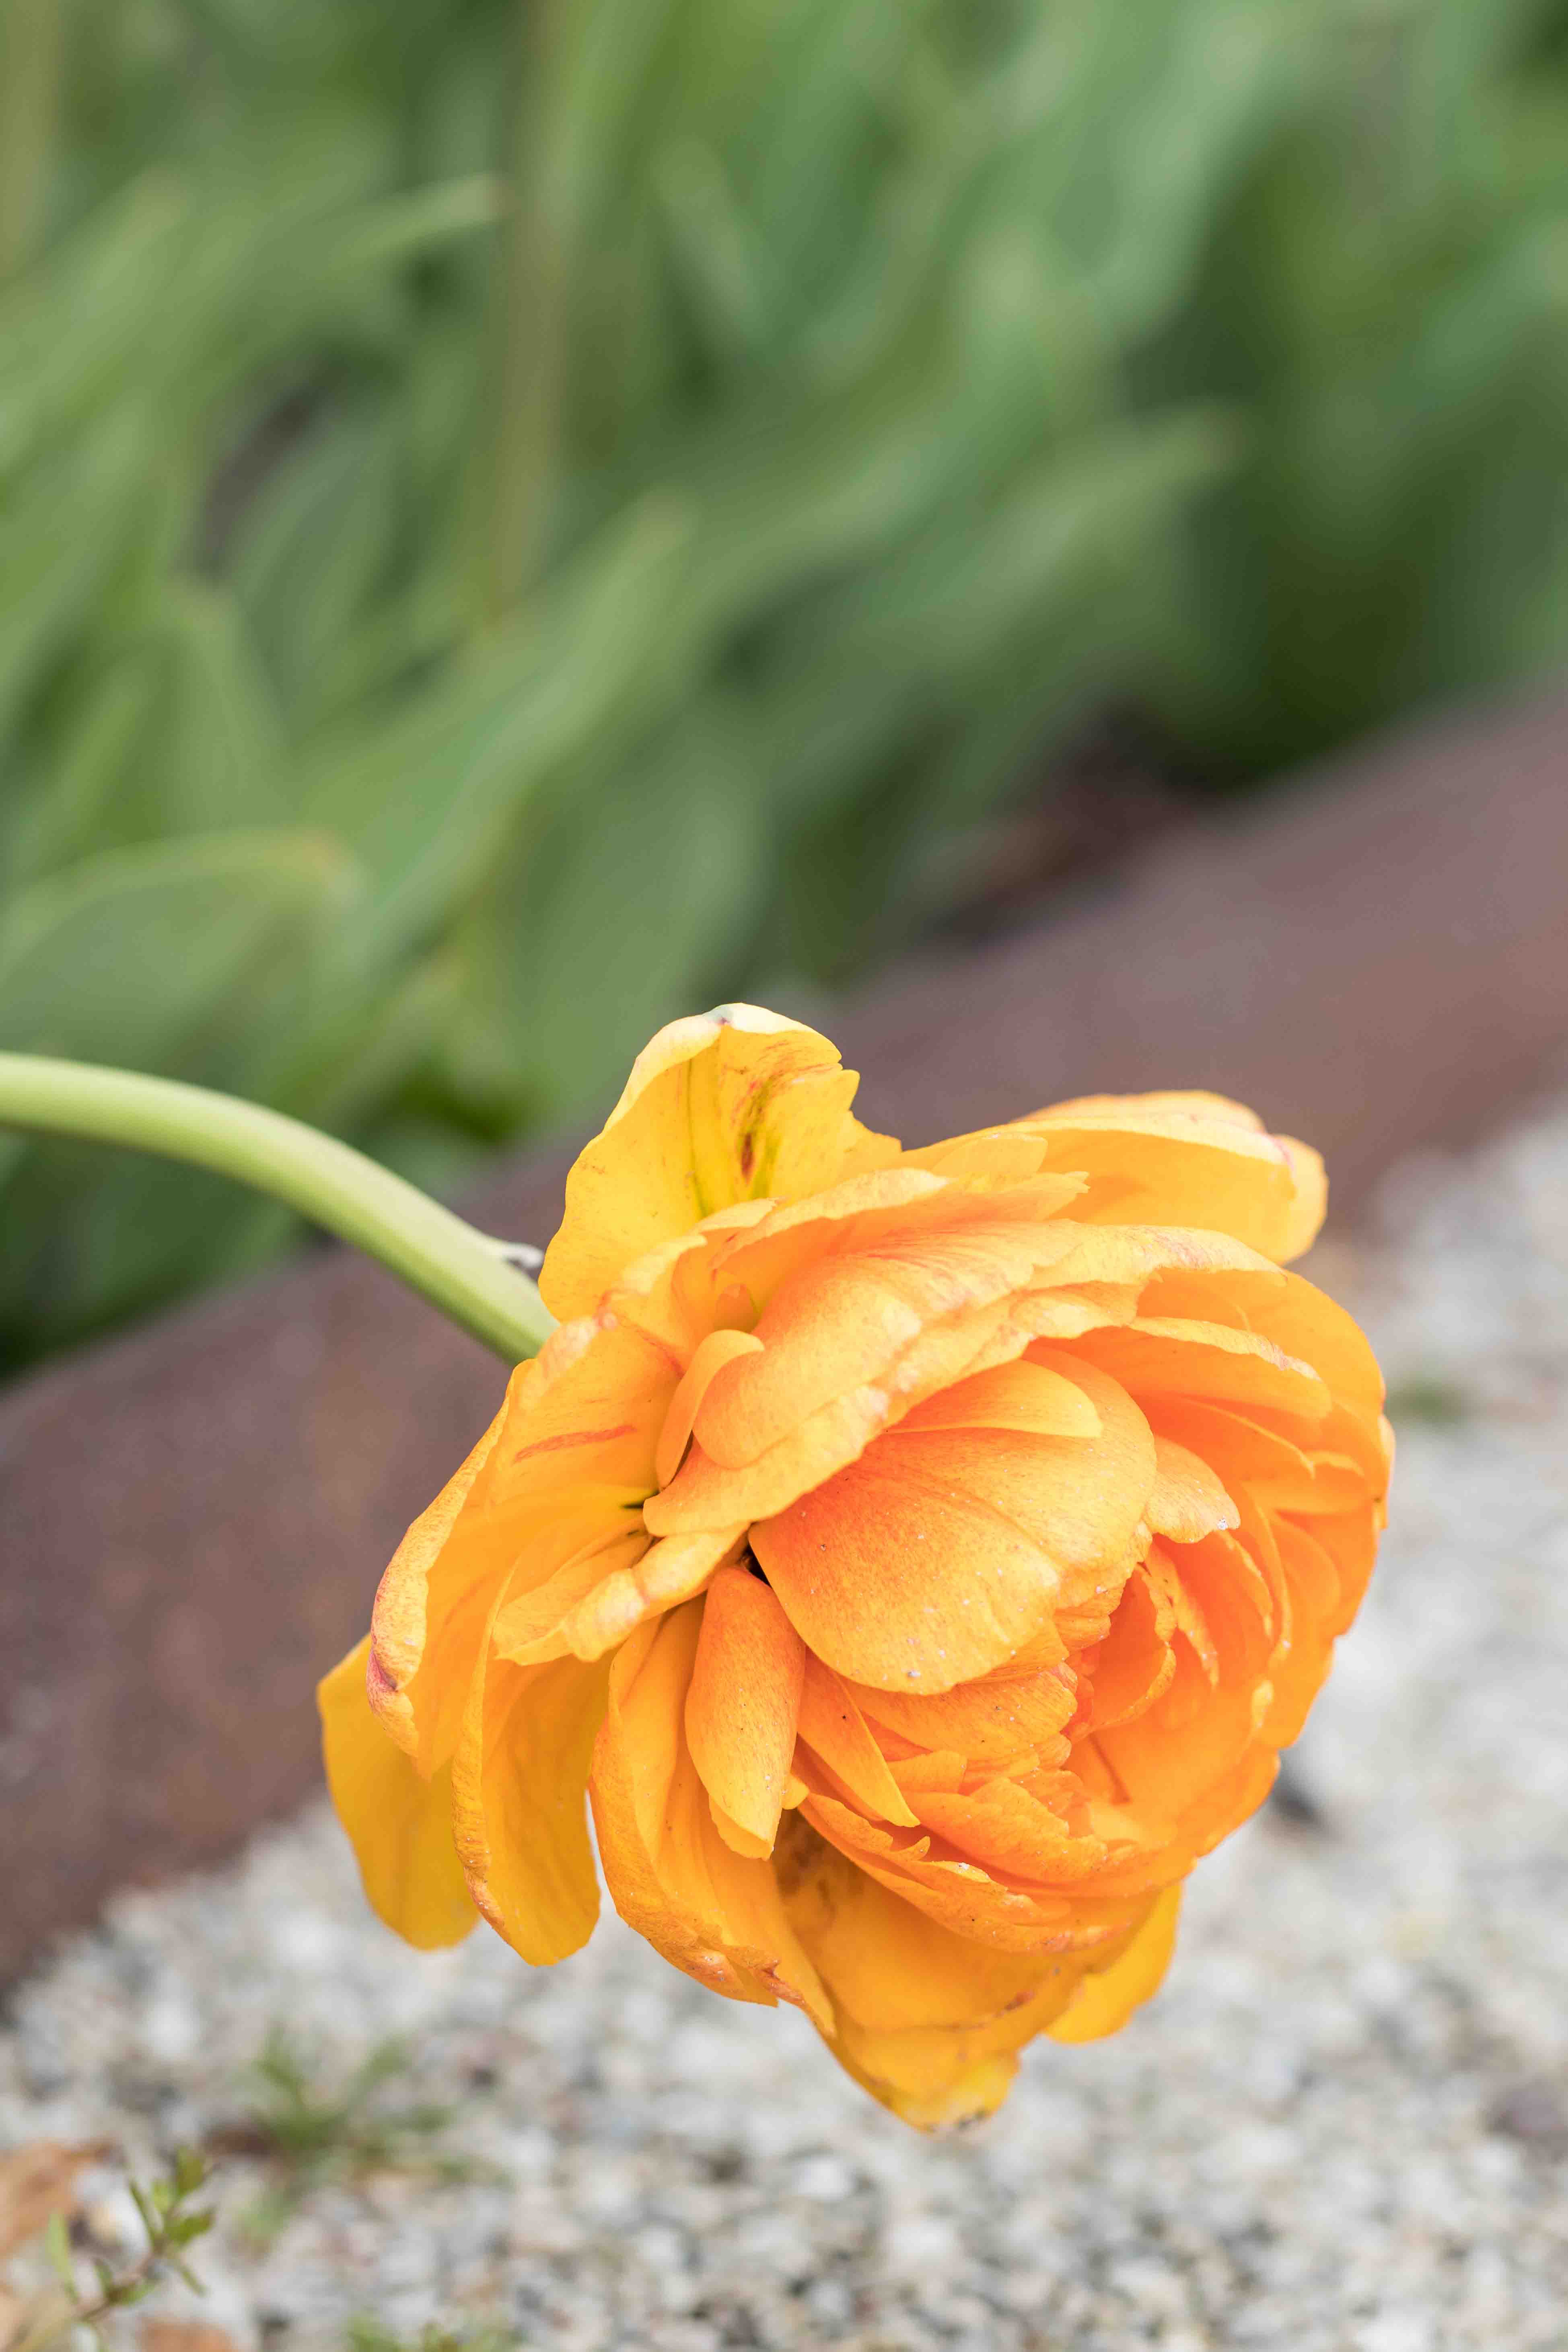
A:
x,y
1343,2128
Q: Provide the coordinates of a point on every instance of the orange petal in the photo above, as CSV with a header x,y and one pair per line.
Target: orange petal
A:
x,y
1156,1355
705,1494
570,1451
718,1348
567,1466
734,1105
1107,1996
960,1895
399,1824
1349,1537
1188,1501
1000,1715
520,1782
940,1554
743,1707
834,1726
1306,1323
1020,1395
1006,1827
1241,1450
895,1582
881,1211
845,1321
1130,1669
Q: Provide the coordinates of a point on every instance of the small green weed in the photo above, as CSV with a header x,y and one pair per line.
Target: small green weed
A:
x,y
313,2135
374,2336
172,2226
1437,1403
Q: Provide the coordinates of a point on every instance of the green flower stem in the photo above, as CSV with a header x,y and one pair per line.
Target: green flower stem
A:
x,y
463,1272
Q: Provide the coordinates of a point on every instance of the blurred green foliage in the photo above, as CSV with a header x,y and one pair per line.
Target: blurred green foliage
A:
x,y
516,521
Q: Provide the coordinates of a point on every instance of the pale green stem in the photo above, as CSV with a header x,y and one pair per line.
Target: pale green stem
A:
x,y
463,1272
29,79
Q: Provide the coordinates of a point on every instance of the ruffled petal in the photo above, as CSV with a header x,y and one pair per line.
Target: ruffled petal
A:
x,y
849,1319
961,1896
400,1825
735,1105
1018,1708
1175,1355
1187,1160
940,1554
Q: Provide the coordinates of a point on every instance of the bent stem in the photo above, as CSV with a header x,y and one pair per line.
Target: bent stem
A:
x,y
460,1270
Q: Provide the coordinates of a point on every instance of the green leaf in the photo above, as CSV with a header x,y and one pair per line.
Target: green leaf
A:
x,y
149,958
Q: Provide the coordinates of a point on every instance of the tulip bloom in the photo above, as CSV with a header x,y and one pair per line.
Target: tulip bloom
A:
x,y
916,1558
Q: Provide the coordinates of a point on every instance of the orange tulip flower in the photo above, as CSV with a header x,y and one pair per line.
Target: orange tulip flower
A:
x,y
916,1558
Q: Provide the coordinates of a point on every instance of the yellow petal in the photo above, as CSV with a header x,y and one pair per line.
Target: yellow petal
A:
x,y
1189,1501
663,1576
519,1782
713,1913
1309,1204
529,1629
886,1965
1175,1356
400,1825
1107,1997
426,1602
1169,1160
717,1350
735,1105
570,1451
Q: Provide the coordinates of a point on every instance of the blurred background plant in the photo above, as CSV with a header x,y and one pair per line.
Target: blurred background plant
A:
x,y
516,521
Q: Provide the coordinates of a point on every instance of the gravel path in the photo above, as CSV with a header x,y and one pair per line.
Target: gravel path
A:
x,y
1344,2124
